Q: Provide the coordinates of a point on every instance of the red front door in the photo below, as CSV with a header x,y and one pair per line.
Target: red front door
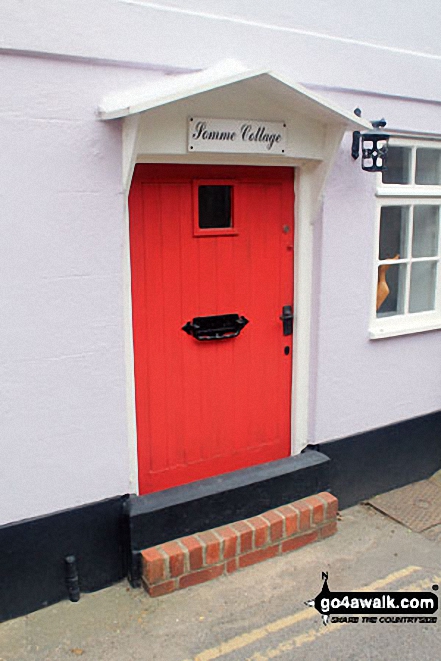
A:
x,y
209,241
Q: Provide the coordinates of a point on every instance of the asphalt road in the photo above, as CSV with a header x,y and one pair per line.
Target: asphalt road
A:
x,y
253,615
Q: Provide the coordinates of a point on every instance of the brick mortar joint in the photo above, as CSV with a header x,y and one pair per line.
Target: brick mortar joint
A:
x,y
271,523
186,553
326,504
203,548
166,558
221,541
244,532
294,511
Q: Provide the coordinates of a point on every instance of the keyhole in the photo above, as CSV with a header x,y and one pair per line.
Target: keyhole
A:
x,y
286,351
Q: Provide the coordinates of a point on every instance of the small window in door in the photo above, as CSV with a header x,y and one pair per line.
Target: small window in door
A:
x,y
214,208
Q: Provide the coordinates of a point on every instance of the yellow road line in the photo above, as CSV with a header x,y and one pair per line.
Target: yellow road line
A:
x,y
239,642
395,576
312,635
421,585
297,641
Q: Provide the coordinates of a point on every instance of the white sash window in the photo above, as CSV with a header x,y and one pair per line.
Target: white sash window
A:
x,y
407,276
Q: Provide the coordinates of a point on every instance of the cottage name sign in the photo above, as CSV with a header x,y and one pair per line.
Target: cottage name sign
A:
x,y
236,135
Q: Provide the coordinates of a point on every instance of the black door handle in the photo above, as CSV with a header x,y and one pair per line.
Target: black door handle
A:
x,y
287,319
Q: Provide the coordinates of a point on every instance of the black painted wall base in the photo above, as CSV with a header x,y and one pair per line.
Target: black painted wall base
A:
x,y
32,553
106,537
383,459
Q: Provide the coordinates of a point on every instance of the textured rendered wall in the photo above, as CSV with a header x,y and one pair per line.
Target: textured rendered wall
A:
x,y
63,420
391,48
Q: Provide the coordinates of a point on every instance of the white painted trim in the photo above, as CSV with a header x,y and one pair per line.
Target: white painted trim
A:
x,y
310,182
403,329
402,134
320,174
408,191
405,195
174,88
410,140
206,158
130,132
303,263
129,356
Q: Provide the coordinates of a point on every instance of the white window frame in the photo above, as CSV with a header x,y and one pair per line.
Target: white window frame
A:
x,y
402,195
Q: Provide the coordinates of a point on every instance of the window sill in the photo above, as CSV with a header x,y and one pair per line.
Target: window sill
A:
x,y
405,327
406,190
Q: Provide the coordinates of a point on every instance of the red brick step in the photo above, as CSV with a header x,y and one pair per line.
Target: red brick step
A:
x,y
206,555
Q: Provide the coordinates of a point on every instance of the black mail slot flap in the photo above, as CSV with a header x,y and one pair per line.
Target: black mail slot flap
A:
x,y
215,327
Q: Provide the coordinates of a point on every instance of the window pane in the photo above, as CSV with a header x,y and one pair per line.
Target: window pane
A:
x,y
214,207
428,170
393,232
390,289
422,286
398,166
425,231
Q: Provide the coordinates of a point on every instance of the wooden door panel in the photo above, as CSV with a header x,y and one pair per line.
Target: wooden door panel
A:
x,y
204,408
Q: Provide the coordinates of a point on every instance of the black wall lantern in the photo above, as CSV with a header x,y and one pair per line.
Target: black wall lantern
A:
x,y
374,145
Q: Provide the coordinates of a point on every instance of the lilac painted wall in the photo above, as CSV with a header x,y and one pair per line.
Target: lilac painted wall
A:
x,y
63,408
63,419
402,114
347,43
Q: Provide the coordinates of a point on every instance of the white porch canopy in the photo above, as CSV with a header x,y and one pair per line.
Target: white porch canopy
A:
x,y
155,116
175,88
